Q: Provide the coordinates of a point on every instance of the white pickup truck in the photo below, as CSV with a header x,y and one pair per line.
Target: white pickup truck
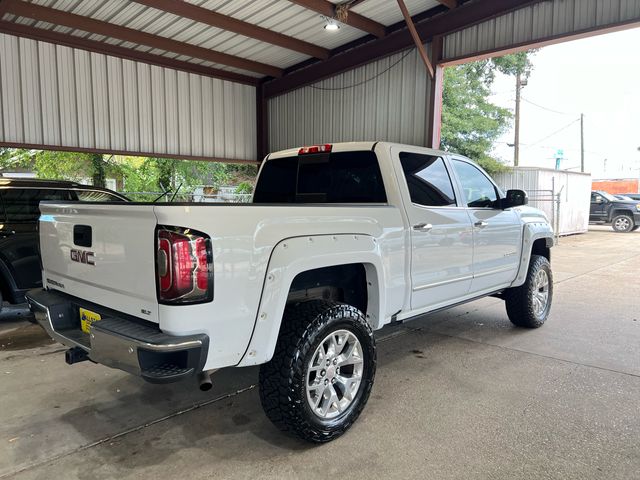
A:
x,y
339,240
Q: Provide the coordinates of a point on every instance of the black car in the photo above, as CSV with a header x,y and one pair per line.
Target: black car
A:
x,y
19,213
623,215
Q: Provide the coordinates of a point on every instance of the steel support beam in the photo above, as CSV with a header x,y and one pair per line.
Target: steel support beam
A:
x,y
464,16
449,3
177,156
224,22
58,17
434,106
3,8
416,37
262,122
354,20
73,41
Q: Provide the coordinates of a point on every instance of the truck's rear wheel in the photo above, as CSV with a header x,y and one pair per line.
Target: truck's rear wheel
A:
x,y
622,223
322,371
529,304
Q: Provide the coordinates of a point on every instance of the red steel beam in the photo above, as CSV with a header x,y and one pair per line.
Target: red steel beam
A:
x,y
176,156
449,3
3,8
116,51
58,17
215,19
354,20
465,15
416,37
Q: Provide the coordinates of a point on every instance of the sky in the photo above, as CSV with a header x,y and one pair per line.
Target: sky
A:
x,y
597,76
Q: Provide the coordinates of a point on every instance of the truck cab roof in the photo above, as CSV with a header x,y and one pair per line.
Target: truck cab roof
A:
x,y
350,146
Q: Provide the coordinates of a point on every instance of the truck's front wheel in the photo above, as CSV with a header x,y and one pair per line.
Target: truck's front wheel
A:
x,y
322,371
529,305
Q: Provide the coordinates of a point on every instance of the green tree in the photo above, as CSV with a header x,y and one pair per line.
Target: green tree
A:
x,y
16,158
515,63
470,122
165,167
98,165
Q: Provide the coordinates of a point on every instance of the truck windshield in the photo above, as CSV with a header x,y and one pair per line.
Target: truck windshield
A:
x,y
608,196
341,177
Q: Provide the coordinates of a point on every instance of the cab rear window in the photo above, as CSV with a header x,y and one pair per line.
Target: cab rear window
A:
x,y
341,177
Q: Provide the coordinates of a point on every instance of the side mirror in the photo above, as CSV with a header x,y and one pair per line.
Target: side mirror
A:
x,y
515,198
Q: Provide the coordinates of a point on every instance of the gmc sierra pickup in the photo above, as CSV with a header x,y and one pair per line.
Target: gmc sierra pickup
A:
x,y
339,241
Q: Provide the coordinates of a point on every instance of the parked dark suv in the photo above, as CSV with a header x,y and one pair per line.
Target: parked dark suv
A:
x,y
623,215
19,254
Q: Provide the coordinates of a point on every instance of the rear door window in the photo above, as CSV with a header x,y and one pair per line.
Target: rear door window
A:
x,y
343,177
21,204
427,179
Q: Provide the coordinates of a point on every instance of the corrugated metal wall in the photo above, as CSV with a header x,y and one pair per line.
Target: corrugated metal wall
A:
x,y
536,22
63,97
384,100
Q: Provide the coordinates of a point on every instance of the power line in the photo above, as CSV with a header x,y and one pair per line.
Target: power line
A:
x,y
547,108
407,53
555,132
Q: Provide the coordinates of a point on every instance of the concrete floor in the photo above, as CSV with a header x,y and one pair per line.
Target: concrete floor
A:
x,y
461,394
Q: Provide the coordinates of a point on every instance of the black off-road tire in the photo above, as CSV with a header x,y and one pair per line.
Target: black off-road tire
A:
x,y
628,224
283,379
519,300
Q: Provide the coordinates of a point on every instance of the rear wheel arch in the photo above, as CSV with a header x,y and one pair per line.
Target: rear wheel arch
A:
x,y
355,284
287,266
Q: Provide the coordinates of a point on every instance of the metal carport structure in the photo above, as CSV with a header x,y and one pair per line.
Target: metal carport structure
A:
x,y
229,81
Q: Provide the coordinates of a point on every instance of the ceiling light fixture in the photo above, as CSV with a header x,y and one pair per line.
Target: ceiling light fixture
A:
x,y
331,25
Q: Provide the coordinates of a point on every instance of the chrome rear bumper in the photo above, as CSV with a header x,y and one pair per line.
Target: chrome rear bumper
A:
x,y
119,341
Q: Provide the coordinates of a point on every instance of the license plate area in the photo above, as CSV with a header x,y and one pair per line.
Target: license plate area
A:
x,y
87,318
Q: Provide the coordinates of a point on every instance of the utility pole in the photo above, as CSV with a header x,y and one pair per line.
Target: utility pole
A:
x,y
582,142
516,139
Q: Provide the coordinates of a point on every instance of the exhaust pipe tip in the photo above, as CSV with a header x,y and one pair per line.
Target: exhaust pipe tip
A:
x,y
204,381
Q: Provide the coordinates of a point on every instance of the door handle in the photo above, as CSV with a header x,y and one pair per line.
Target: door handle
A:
x,y
480,224
422,227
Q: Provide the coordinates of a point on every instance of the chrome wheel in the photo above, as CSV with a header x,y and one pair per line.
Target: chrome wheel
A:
x,y
334,374
540,295
622,223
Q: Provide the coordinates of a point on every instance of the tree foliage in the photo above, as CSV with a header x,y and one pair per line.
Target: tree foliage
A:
x,y
134,174
470,122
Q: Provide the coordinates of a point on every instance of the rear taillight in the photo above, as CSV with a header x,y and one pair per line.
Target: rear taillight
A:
x,y
184,266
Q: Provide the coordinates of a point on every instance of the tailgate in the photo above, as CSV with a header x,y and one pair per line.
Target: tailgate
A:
x,y
103,253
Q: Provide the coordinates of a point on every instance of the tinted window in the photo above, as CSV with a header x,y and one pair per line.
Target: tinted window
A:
x,y
21,205
477,188
428,180
345,177
96,196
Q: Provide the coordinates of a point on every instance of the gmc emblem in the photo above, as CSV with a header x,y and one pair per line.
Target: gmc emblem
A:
x,y
82,256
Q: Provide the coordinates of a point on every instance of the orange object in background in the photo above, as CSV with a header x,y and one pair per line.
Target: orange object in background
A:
x,y
623,185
